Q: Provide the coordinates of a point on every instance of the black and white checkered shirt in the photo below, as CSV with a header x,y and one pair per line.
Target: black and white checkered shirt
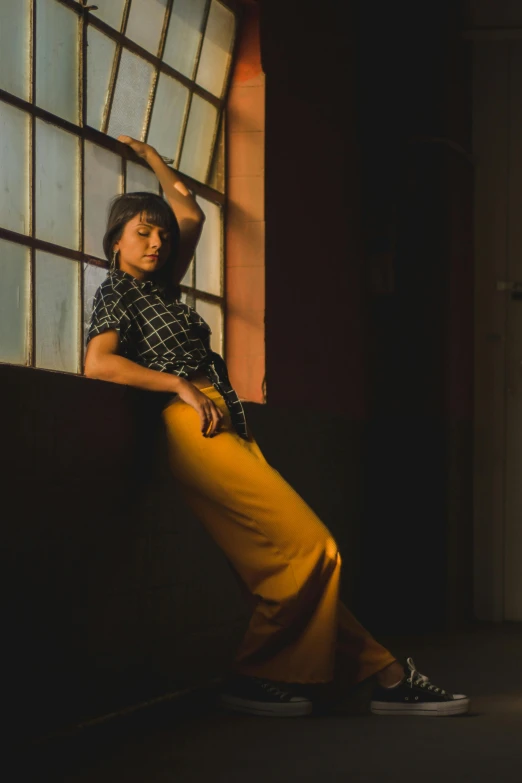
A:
x,y
162,334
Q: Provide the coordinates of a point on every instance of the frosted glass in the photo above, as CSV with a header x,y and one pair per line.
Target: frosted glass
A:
x,y
110,12
56,184
100,58
184,35
145,23
57,327
93,277
15,303
140,178
187,297
217,49
188,278
57,59
14,152
208,253
167,116
15,47
102,181
131,97
198,140
213,315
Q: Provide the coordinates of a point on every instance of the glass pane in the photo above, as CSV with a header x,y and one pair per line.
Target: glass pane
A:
x,y
57,293
145,23
217,49
93,277
15,302
184,35
212,314
131,97
57,59
198,140
188,279
100,57
110,12
167,116
15,47
188,298
102,182
56,184
208,253
14,151
140,178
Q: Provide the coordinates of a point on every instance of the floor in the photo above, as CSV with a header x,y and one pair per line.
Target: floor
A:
x,y
198,741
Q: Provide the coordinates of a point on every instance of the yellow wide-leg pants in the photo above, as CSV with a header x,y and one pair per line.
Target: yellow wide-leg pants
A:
x,y
284,557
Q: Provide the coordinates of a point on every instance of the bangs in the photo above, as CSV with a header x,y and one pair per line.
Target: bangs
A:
x,y
157,212
150,206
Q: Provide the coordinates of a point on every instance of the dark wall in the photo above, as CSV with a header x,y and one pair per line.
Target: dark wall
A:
x,y
315,322
110,594
414,111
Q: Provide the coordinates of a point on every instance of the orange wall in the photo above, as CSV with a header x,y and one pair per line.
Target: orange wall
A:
x,y
245,225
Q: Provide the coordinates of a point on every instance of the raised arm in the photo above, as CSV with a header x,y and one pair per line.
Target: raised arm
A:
x,y
188,213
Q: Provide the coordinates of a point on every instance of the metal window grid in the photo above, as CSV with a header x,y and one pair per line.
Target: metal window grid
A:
x,y
87,133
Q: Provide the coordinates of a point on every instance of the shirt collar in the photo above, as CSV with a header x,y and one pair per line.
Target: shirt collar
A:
x,y
145,285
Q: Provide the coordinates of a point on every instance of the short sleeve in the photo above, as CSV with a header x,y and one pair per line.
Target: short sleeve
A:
x,y
109,312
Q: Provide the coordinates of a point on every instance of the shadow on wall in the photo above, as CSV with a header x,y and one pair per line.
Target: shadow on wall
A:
x,y
116,594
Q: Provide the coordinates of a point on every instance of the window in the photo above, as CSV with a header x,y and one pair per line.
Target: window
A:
x,y
72,78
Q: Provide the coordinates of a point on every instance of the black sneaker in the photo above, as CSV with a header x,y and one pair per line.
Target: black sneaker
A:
x,y
263,697
416,695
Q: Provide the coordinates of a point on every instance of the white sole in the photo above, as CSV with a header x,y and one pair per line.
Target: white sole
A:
x,y
434,709
285,710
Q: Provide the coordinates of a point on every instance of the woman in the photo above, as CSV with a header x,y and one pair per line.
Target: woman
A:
x,y
284,557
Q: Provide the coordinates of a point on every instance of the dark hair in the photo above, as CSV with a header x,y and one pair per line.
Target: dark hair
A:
x,y
124,208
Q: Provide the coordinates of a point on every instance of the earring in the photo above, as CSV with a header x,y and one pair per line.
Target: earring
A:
x,y
113,262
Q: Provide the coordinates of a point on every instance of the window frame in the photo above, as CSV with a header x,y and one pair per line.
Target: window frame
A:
x,y
85,132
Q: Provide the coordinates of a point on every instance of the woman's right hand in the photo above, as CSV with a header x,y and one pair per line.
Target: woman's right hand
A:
x,y
209,414
139,147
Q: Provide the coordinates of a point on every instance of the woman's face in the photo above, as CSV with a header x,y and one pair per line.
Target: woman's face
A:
x,y
143,247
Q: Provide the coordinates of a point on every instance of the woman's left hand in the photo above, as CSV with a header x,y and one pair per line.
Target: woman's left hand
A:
x,y
139,147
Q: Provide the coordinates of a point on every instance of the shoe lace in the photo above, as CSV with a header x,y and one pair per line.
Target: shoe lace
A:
x,y
271,688
420,680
